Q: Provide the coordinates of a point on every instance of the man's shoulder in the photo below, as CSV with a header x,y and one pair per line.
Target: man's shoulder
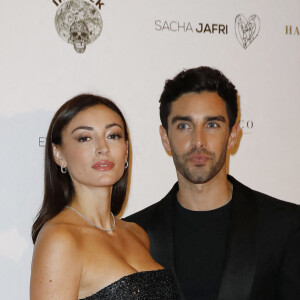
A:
x,y
144,216
266,202
148,211
279,209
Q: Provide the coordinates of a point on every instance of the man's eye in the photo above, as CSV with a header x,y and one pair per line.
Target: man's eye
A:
x,y
183,126
213,125
83,139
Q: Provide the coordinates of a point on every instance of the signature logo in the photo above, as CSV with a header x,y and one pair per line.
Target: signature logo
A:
x,y
246,30
78,23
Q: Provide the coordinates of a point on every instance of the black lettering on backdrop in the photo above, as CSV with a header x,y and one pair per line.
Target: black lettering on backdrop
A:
x,y
213,28
200,28
55,2
98,3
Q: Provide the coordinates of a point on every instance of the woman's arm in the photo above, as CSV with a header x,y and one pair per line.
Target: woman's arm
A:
x,y
56,265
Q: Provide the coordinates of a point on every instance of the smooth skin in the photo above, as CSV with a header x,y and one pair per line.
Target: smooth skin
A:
x,y
73,259
198,137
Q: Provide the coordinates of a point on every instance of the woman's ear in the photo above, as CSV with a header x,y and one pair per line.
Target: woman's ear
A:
x,y
58,156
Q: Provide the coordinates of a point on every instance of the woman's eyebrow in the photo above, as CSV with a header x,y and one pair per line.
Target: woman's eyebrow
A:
x,y
83,127
91,128
112,125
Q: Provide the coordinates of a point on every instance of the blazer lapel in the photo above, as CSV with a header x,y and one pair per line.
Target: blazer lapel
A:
x,y
161,231
161,234
240,259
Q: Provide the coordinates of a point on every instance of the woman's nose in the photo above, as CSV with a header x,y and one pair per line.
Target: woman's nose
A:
x,y
102,147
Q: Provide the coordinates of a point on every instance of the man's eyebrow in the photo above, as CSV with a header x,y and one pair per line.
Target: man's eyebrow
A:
x,y
215,118
189,119
181,118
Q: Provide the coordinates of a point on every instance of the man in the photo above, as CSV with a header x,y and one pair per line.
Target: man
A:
x,y
222,240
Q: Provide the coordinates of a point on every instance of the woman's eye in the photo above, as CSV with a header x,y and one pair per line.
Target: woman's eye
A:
x,y
114,136
84,139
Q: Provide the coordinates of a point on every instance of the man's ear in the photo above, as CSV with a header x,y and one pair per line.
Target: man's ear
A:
x,y
58,156
165,139
233,137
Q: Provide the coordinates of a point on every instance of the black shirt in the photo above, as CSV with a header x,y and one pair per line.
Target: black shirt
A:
x,y
200,243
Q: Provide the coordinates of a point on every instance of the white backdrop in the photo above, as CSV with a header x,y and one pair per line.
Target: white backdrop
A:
x,y
142,44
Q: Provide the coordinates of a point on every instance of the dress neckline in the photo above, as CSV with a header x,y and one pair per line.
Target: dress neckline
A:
x,y
122,278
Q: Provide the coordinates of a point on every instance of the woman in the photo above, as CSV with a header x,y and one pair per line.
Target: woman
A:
x,y
81,250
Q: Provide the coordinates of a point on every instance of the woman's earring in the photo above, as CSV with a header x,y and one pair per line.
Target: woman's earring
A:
x,y
63,169
126,164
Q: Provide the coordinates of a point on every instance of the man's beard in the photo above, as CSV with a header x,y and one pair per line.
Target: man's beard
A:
x,y
197,173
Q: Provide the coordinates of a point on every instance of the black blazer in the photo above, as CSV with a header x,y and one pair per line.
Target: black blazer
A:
x,y
263,248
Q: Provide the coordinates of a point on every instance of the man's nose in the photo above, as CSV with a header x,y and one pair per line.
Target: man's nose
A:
x,y
199,138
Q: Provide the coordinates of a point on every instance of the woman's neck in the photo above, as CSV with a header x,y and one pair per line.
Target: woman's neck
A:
x,y
94,203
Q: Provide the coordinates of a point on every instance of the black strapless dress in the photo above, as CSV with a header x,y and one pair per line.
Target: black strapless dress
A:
x,y
158,284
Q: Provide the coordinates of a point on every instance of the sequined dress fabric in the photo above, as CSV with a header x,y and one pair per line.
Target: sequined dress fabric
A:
x,y
158,284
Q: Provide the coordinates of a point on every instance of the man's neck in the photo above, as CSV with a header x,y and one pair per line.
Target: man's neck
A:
x,y
204,196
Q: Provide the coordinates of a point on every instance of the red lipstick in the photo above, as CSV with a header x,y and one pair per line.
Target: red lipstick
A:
x,y
103,165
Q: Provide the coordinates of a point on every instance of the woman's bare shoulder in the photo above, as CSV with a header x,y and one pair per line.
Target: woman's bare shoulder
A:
x,y
57,243
57,262
54,234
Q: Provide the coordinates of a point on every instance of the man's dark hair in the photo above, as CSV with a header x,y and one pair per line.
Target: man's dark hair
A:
x,y
199,80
